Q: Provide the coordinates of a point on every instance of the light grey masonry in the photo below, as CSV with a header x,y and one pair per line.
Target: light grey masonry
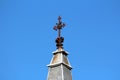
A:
x,y
59,67
54,72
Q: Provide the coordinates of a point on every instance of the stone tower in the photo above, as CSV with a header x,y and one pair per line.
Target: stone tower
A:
x,y
59,67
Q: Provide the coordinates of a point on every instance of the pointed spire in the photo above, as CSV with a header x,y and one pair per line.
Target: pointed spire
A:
x,y
58,27
59,67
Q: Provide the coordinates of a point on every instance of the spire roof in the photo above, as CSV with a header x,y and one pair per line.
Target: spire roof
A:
x,y
60,57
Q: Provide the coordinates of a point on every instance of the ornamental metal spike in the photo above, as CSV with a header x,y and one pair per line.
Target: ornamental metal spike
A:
x,y
58,28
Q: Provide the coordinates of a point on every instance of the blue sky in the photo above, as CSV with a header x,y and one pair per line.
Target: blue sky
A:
x,y
92,38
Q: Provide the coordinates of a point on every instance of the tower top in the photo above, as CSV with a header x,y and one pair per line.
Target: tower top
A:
x,y
59,67
58,27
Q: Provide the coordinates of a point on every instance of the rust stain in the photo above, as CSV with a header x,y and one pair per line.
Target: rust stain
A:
x,y
65,60
55,59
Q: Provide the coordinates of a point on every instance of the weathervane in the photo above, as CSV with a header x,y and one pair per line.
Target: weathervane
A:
x,y
58,28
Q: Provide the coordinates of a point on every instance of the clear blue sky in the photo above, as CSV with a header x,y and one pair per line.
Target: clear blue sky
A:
x,y
92,38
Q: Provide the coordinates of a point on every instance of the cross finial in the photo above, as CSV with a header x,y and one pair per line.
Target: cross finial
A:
x,y
58,28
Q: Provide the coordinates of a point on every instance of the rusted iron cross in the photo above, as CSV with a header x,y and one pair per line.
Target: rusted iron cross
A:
x,y
59,40
59,26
